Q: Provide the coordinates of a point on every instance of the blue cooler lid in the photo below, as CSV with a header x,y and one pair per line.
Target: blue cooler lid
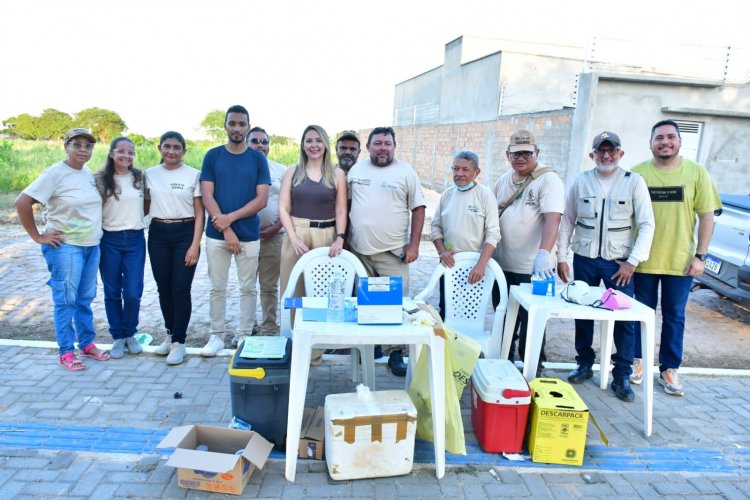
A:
x,y
498,381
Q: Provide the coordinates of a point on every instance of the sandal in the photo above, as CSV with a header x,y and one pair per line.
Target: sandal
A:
x,y
70,362
91,351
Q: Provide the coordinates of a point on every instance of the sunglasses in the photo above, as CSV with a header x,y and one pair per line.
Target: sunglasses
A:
x,y
255,140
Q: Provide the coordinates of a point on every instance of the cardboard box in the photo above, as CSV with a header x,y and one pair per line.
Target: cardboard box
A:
x,y
559,418
316,308
311,444
369,435
225,467
380,300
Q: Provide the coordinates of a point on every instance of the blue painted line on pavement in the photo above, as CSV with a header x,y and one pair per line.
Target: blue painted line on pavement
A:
x,y
143,441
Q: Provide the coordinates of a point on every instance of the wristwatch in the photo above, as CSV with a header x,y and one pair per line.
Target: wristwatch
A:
x,y
701,256
341,235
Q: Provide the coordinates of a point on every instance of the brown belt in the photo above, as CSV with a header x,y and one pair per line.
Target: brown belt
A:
x,y
173,221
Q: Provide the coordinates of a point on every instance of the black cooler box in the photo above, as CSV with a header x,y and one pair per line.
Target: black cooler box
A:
x,y
260,393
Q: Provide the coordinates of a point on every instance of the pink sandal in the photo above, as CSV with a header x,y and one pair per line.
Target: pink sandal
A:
x,y
70,362
91,351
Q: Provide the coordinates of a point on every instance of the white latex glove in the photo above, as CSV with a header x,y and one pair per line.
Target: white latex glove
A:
x,y
542,265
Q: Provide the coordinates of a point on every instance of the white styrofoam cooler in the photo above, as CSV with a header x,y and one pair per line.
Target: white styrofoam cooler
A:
x,y
369,434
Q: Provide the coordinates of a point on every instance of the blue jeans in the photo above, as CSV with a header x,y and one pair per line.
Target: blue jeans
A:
x,y
167,246
593,271
123,256
73,282
674,297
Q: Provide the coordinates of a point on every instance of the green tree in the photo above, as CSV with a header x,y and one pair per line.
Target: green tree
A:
x,y
53,124
104,124
213,125
23,126
137,139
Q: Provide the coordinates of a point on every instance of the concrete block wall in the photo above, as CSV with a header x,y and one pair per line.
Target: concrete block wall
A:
x,y
430,148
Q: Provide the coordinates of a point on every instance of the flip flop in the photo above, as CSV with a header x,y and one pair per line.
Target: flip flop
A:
x,y
88,352
70,362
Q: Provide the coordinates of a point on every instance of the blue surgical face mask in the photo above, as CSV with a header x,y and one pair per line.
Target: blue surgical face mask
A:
x,y
466,187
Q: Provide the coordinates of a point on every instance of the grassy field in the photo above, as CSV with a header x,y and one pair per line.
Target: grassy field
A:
x,y
22,161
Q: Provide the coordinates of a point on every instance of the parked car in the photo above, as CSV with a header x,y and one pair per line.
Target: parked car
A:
x,y
727,269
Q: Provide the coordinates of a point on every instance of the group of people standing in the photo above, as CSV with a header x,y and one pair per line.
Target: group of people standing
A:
x,y
632,230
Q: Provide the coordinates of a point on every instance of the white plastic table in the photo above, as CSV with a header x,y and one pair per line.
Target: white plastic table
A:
x,y
308,333
542,308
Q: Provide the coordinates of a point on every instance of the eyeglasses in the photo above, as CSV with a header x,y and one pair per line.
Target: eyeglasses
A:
x,y
255,140
124,152
611,152
88,146
525,154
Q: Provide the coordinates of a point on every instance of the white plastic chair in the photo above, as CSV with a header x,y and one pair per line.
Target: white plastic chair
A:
x,y
465,304
316,268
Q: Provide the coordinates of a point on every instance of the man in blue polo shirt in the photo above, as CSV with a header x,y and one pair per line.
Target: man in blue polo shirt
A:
x,y
234,185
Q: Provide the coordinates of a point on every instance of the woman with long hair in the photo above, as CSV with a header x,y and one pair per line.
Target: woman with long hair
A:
x,y
173,198
123,245
312,205
70,244
312,202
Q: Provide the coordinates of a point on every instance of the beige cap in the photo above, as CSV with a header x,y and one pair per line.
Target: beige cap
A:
x,y
78,132
522,140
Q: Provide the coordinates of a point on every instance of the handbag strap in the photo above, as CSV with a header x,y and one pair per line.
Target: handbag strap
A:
x,y
536,173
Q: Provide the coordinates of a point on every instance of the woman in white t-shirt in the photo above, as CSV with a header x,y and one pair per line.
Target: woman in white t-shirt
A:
x,y
70,244
123,246
173,198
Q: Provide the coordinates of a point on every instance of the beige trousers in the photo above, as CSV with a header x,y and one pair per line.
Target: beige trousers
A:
x,y
269,268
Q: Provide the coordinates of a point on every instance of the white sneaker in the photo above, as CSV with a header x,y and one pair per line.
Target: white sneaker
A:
x,y
177,353
163,348
133,346
214,345
637,376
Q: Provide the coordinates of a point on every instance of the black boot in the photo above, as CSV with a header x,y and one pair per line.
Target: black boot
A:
x,y
396,364
580,374
622,389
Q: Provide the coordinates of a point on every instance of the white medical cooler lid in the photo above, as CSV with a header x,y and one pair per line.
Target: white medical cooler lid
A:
x,y
498,381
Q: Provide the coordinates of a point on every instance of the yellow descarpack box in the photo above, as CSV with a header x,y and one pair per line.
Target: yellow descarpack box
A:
x,y
559,418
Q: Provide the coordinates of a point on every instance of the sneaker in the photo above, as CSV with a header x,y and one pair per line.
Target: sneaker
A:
x,y
133,346
214,345
672,386
177,353
118,349
163,348
637,376
237,340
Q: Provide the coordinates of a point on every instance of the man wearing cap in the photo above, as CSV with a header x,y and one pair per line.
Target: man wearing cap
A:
x,y
347,150
234,185
609,220
69,244
271,237
530,198
387,216
681,190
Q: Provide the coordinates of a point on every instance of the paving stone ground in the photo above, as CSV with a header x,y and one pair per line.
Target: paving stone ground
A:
x,y
700,446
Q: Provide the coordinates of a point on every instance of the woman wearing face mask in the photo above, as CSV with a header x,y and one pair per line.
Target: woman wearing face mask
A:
x,y
173,198
465,220
123,246
70,244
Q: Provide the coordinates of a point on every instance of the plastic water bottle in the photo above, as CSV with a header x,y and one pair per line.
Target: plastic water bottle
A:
x,y
336,297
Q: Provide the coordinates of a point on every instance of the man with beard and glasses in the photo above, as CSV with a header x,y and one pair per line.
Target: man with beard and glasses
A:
x,y
681,190
609,220
234,184
387,216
